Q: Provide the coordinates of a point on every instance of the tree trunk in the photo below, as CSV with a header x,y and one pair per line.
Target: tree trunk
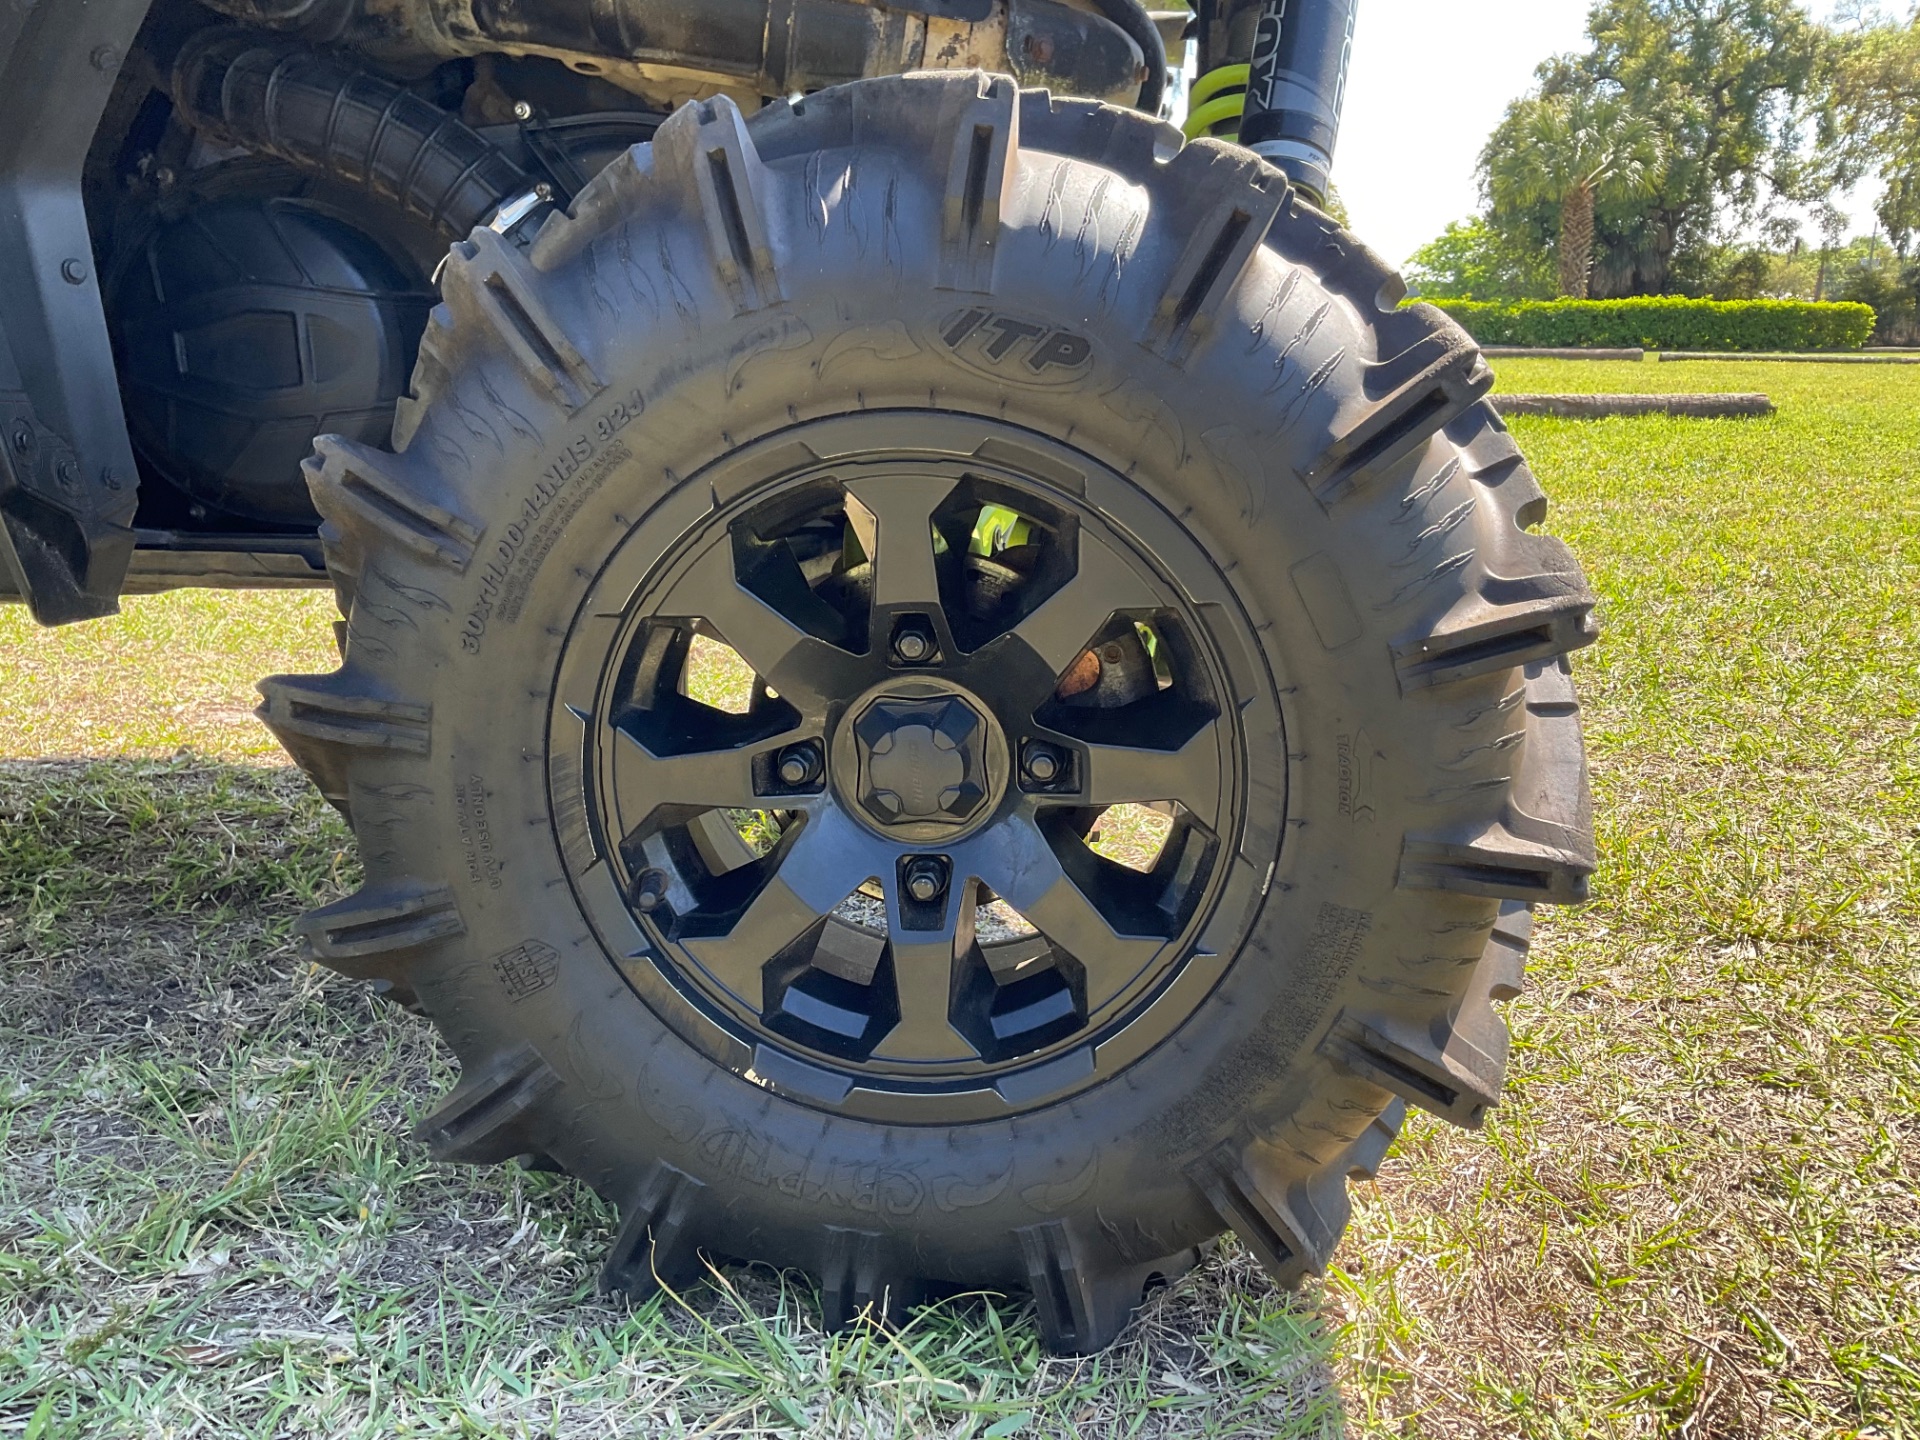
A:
x,y
1653,270
1576,242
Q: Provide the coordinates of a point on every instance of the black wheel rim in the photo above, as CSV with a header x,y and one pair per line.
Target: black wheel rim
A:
x,y
875,879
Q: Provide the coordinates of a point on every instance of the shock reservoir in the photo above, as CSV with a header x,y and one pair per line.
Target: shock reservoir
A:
x,y
1296,82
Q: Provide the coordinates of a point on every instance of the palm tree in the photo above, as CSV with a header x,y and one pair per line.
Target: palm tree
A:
x,y
1574,153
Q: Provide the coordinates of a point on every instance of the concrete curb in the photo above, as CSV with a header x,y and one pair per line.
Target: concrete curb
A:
x,y
1851,357
1602,407
1523,352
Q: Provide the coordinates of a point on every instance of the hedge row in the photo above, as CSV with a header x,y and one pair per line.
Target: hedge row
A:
x,y
1666,323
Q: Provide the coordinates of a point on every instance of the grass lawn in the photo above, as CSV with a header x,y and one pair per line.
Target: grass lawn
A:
x,y
1697,1213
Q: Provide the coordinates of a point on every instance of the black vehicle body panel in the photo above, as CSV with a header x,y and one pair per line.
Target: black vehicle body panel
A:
x,y
67,476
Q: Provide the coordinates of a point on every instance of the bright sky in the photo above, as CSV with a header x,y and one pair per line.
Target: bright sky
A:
x,y
1430,80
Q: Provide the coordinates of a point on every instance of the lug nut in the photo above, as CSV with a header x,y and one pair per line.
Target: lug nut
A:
x,y
1041,763
799,764
912,645
926,879
649,889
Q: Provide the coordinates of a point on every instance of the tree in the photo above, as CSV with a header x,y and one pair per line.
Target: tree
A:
x,y
1573,153
1728,87
1474,260
1892,290
1871,118
1833,229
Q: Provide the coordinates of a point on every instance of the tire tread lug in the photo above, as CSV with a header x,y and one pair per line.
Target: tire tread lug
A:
x,y
709,142
1428,386
1084,1291
981,172
355,487
1457,1082
1245,196
655,1245
486,282
1259,1215
489,1115
855,1280
360,935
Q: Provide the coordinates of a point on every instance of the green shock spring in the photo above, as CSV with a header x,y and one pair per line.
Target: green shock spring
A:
x,y
1216,101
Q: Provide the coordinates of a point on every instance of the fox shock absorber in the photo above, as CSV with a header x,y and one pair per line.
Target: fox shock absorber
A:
x,y
1297,78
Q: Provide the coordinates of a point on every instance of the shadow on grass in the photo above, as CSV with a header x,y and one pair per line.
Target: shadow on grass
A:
x,y
209,1206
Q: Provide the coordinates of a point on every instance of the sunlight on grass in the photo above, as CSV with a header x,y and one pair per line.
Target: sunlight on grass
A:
x,y
716,675
1696,1210
170,672
1130,835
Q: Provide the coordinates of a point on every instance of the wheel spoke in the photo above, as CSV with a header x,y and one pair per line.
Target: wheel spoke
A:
x,y
1068,620
1028,875
708,779
1126,774
905,573
824,862
802,668
923,970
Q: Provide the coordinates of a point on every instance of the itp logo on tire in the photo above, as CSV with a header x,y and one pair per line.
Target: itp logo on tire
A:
x,y
1010,347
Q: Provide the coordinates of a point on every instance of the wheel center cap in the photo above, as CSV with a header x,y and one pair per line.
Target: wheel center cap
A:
x,y
926,761
918,770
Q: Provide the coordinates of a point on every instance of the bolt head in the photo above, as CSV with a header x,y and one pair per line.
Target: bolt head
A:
x,y
649,890
1043,764
926,880
912,645
799,764
522,110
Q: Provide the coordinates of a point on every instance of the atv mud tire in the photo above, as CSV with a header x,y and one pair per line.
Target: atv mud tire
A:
x,y
1036,462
